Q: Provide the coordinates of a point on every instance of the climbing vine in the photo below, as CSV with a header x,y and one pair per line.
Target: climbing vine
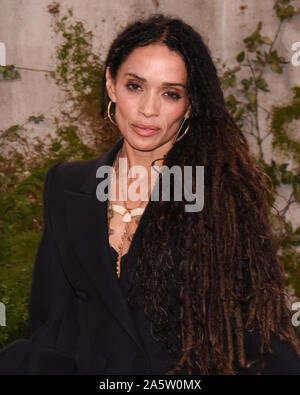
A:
x,y
247,85
80,134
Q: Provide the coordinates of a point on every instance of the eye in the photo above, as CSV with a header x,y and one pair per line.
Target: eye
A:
x,y
173,95
132,87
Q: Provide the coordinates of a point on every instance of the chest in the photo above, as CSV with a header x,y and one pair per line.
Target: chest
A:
x,y
121,233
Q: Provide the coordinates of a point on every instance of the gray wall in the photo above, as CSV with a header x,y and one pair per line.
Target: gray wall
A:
x,y
25,29
30,42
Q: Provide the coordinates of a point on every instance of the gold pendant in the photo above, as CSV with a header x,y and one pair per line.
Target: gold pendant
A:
x,y
119,266
120,252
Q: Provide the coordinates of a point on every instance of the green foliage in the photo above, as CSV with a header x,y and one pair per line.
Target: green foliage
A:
x,y
78,73
244,103
79,70
282,116
13,133
21,225
285,12
53,8
9,72
36,119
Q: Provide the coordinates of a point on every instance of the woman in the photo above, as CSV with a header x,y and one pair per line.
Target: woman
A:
x,y
143,286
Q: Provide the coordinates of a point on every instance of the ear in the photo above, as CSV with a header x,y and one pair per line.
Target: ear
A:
x,y
188,112
110,86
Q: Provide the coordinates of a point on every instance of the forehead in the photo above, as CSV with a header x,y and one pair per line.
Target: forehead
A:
x,y
155,62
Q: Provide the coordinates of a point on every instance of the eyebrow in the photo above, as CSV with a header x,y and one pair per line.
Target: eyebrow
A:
x,y
164,84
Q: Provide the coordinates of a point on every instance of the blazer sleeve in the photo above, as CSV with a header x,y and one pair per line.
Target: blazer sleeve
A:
x,y
283,360
51,349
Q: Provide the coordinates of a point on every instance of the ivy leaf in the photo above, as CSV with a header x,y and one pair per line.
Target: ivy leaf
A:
x,y
259,59
266,40
273,173
283,166
247,83
229,78
252,100
274,61
253,41
276,68
284,12
237,115
296,189
36,119
229,82
231,102
296,90
240,57
287,177
259,68
289,227
262,84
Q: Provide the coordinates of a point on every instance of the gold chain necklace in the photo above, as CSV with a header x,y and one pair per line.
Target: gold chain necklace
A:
x,y
127,217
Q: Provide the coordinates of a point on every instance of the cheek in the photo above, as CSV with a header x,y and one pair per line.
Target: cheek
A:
x,y
125,106
172,114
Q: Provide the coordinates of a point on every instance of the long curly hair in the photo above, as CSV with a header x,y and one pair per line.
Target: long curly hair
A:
x,y
222,267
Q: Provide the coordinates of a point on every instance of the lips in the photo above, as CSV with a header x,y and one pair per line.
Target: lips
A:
x,y
145,130
146,127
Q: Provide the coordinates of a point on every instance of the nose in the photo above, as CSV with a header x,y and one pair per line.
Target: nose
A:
x,y
149,105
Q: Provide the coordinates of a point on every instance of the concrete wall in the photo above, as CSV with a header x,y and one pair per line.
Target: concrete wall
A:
x,y
25,29
30,42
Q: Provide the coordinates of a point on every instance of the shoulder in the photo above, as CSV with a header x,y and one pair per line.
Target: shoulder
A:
x,y
66,179
72,175
80,176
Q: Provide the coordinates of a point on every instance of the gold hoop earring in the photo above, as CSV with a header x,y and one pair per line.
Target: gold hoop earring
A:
x,y
109,114
185,131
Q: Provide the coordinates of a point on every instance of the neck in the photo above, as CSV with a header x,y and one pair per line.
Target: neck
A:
x,y
140,158
143,158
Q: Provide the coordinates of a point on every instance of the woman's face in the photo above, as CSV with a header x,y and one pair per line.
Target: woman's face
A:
x,y
150,95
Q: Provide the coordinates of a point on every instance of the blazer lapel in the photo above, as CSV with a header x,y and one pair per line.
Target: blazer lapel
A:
x,y
87,220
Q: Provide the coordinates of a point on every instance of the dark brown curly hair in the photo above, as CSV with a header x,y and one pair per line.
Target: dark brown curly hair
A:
x,y
228,277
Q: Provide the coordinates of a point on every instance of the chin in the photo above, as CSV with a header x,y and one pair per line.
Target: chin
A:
x,y
142,143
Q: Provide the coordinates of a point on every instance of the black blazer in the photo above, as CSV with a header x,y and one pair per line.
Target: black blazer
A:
x,y
80,322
